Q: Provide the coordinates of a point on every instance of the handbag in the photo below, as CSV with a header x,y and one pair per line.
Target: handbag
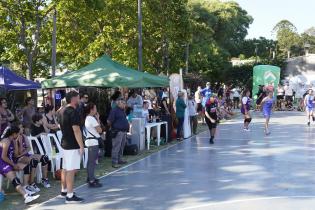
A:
x,y
99,139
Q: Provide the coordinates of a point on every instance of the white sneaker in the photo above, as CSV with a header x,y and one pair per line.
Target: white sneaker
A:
x,y
45,183
34,186
29,190
30,198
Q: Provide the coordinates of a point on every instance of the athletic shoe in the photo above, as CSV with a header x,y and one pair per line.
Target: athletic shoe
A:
x,y
63,194
211,141
30,198
95,184
96,180
45,183
34,186
29,190
122,162
115,166
74,199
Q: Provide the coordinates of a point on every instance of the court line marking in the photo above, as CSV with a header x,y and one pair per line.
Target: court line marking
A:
x,y
242,200
120,169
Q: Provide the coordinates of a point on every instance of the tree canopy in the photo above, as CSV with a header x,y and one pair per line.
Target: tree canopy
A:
x,y
87,29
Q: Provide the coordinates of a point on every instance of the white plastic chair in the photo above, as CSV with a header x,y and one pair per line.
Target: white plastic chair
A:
x,y
58,156
39,174
59,135
1,180
52,155
86,151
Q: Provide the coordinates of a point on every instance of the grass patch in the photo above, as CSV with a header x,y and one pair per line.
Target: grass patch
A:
x,y
13,201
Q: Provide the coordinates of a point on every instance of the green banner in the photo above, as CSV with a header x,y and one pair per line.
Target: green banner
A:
x,y
265,75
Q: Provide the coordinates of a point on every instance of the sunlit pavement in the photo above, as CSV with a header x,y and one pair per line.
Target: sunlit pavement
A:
x,y
243,170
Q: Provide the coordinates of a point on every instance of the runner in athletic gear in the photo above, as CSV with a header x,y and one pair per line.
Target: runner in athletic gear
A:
x,y
246,102
7,165
309,106
267,105
211,117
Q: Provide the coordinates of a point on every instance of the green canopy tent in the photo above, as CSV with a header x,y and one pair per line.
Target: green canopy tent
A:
x,y
104,72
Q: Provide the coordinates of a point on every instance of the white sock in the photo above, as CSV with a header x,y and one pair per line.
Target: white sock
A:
x,y
64,190
69,195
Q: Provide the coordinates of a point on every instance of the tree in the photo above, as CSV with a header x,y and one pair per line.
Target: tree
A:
x,y
24,35
287,36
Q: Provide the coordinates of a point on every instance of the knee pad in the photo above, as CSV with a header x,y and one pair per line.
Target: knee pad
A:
x,y
34,163
27,169
16,182
248,120
44,160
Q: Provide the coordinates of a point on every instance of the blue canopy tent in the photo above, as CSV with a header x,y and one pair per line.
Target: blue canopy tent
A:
x,y
10,81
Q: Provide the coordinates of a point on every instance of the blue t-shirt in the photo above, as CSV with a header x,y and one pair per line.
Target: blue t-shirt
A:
x,y
206,93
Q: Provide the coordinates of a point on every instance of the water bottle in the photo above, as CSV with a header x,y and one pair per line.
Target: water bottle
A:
x,y
1,196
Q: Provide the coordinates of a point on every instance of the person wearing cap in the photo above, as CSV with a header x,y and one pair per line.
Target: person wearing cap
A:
x,y
180,114
118,122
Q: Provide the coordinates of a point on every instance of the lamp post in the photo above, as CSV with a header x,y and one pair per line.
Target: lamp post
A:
x,y
140,67
54,44
186,57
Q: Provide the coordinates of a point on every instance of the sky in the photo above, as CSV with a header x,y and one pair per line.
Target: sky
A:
x,y
267,13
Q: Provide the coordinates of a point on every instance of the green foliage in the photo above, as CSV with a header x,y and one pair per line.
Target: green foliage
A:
x,y
287,36
87,29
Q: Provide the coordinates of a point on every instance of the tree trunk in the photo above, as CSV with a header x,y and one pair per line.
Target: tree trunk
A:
x,y
54,45
289,54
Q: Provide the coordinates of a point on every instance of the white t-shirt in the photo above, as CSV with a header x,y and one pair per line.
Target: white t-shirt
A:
x,y
198,97
244,100
145,114
192,107
149,103
90,131
288,91
236,94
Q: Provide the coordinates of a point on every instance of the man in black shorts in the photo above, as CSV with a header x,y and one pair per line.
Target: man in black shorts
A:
x,y
211,117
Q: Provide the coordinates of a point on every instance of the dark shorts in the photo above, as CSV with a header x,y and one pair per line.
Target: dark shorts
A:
x,y
289,98
199,107
210,124
280,97
236,99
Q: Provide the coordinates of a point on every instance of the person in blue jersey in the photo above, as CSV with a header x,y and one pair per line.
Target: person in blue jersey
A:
x,y
309,106
206,93
245,109
267,105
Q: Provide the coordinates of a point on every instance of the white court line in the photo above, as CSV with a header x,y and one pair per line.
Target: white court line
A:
x,y
243,200
40,204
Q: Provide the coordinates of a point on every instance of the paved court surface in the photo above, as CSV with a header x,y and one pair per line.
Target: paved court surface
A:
x,y
242,171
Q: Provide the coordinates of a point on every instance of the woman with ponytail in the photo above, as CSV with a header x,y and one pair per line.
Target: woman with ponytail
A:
x,y
8,165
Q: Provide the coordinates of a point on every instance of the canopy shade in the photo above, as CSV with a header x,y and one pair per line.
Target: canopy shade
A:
x,y
104,72
11,81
